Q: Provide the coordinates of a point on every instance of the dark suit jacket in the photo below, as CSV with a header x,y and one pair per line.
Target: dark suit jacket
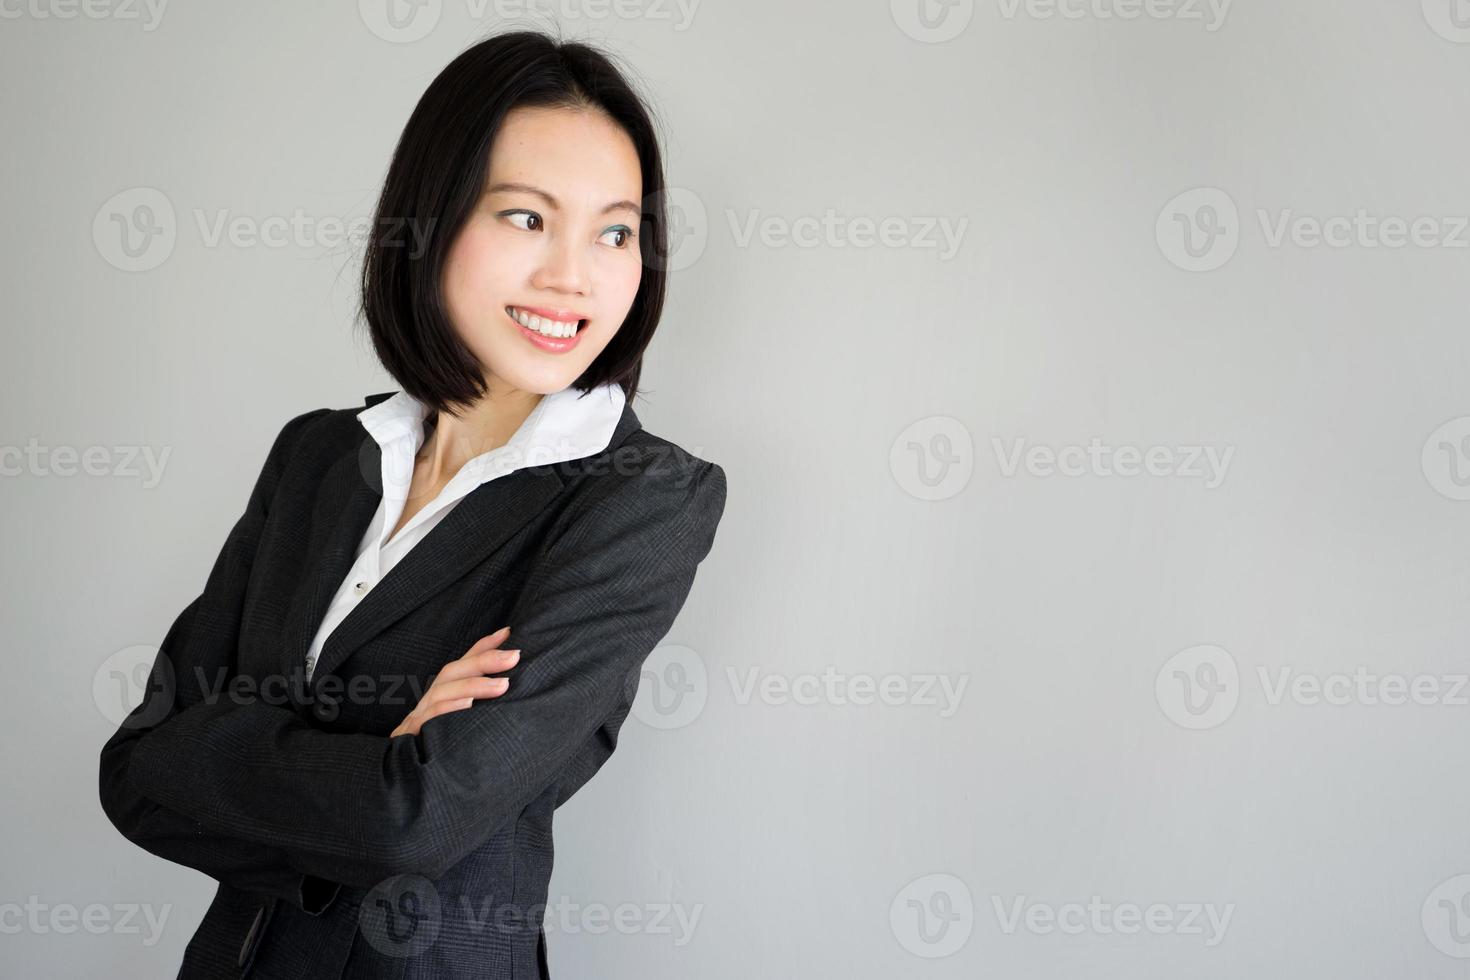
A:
x,y
341,852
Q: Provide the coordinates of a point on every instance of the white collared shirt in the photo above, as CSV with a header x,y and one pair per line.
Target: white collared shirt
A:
x,y
562,426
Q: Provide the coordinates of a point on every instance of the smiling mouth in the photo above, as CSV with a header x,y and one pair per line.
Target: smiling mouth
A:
x,y
555,329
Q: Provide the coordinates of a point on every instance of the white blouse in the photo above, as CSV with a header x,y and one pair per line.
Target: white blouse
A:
x,y
562,426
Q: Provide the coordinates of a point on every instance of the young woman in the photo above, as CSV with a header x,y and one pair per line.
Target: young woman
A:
x,y
426,630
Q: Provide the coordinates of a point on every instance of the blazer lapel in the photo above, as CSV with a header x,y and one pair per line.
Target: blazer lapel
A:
x,y
346,503
479,524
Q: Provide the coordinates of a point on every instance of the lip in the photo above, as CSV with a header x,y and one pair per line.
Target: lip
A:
x,y
548,313
554,345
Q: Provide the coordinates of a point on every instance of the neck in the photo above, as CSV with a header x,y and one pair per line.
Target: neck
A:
x,y
488,424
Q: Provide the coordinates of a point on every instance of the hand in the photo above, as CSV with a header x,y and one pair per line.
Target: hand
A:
x,y
459,682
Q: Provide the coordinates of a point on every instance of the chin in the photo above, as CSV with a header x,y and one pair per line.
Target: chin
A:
x,y
537,379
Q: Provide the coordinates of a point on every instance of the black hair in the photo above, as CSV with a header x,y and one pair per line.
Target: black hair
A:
x,y
436,178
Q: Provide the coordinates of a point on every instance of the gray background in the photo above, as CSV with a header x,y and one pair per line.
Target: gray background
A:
x,y
856,392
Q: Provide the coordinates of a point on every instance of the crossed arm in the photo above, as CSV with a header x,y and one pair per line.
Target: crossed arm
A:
x,y
253,795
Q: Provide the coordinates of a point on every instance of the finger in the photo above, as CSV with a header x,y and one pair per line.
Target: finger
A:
x,y
470,687
491,661
486,662
489,642
446,707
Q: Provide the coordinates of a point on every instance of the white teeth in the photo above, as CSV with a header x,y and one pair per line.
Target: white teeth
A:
x,y
549,328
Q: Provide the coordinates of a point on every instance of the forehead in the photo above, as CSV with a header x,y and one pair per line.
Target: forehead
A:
x,y
581,153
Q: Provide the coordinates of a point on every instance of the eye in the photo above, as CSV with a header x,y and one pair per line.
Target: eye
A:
x,y
533,220
623,230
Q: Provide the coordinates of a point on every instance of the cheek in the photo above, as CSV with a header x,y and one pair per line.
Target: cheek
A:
x,y
619,285
477,264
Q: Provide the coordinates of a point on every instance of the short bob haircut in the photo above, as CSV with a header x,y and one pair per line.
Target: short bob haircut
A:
x,y
436,178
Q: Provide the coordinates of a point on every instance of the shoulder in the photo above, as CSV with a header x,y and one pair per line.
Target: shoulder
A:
x,y
291,434
645,484
647,465
326,431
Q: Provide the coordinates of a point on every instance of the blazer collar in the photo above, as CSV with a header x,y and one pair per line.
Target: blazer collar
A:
x,y
347,499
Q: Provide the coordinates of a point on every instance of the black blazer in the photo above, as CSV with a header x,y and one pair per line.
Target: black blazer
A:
x,y
341,852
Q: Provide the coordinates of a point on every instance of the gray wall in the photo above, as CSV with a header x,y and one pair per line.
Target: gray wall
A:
x,y
956,675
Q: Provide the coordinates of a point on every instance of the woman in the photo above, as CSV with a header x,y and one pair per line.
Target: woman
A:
x,y
322,732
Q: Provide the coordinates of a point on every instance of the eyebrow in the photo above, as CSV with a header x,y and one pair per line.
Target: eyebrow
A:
x,y
529,189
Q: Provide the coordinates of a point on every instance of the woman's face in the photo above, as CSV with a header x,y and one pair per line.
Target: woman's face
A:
x,y
554,235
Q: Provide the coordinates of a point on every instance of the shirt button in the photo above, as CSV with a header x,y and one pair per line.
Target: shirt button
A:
x,y
310,662
360,588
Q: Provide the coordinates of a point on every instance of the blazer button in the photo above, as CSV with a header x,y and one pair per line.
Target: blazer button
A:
x,y
251,937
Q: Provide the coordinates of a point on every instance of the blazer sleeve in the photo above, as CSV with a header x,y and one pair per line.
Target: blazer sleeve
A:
x,y
359,808
204,636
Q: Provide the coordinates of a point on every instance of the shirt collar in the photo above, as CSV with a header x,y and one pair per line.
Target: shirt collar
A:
x,y
564,425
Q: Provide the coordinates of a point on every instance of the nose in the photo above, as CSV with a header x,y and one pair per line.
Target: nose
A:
x,y
563,268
